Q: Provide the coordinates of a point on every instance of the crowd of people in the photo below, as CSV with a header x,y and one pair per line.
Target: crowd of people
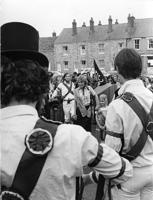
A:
x,y
72,98
42,159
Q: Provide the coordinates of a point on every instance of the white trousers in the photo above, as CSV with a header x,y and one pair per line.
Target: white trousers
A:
x,y
139,187
69,110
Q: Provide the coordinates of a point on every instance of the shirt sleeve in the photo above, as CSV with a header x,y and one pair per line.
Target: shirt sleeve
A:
x,y
114,128
92,90
109,162
57,91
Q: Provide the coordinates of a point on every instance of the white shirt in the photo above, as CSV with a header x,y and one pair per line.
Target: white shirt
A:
x,y
64,90
73,149
84,94
122,119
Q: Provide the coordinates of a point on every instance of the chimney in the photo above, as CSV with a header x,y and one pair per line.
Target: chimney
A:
x,y
54,34
116,21
110,29
83,25
91,25
129,17
99,24
131,21
74,27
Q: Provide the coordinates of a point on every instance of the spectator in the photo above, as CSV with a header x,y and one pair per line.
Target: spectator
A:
x,y
101,114
83,97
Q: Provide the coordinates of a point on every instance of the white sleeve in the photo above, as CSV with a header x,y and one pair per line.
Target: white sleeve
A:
x,y
55,93
108,163
113,124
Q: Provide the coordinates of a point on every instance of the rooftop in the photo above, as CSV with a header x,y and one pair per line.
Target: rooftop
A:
x,y
142,28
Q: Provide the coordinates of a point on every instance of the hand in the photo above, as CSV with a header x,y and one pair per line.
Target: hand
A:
x,y
87,179
97,108
74,117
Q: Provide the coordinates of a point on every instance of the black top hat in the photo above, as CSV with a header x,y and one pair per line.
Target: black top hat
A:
x,y
20,40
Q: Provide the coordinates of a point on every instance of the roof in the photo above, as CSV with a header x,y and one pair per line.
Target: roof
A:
x,y
142,28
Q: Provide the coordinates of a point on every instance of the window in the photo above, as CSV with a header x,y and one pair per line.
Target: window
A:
x,y
101,48
82,50
101,62
65,50
137,44
150,46
66,63
120,44
83,62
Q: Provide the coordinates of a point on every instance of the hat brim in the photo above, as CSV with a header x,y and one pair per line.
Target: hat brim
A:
x,y
22,54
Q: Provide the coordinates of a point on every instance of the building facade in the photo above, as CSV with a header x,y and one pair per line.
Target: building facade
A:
x,y
46,46
77,47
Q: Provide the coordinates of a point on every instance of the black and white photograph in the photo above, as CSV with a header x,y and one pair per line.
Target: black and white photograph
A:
x,y
76,105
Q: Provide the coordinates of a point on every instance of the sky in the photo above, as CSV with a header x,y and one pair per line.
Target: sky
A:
x,y
48,16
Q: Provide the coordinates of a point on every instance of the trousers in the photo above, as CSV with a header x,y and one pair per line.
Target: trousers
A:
x,y
138,187
69,110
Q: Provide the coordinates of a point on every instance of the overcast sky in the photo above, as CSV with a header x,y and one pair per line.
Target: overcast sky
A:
x,y
54,15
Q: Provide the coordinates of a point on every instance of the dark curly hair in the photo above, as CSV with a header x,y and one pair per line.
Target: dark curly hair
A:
x,y
22,80
128,63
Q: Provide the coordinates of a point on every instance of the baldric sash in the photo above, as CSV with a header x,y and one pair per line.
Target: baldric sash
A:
x,y
69,90
38,144
146,120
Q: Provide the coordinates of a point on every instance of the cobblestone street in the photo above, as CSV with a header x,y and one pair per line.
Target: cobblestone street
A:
x,y
90,190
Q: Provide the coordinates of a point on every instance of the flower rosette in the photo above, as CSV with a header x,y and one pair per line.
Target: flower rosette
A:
x,y
6,195
39,141
100,119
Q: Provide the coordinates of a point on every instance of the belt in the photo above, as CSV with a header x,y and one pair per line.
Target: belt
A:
x,y
68,100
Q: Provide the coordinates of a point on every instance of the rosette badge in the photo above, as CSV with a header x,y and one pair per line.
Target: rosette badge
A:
x,y
8,195
39,141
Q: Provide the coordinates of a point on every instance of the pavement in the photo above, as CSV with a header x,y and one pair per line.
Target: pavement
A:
x,y
90,190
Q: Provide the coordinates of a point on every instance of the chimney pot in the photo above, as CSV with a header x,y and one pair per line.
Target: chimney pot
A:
x,y
91,24
131,21
110,29
116,21
54,34
83,25
99,24
74,27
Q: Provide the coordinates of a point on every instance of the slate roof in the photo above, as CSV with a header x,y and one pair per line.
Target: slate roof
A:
x,y
142,28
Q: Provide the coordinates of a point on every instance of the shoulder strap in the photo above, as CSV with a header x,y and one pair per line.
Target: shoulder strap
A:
x,y
31,165
147,124
79,188
100,187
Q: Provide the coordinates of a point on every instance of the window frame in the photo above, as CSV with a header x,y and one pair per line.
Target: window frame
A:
x,y
149,43
137,39
101,49
102,62
84,64
83,51
65,51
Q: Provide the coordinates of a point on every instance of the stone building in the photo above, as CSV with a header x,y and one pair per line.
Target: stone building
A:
x,y
46,46
77,47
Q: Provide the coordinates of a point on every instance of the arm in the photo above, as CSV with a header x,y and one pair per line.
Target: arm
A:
x,y
114,127
95,96
98,157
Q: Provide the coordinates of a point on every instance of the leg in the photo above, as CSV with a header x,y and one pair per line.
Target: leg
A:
x,y
66,108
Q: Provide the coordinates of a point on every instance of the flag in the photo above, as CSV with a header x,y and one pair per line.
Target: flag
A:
x,y
102,78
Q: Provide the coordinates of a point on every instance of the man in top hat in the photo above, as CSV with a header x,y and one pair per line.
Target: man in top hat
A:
x,y
41,159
